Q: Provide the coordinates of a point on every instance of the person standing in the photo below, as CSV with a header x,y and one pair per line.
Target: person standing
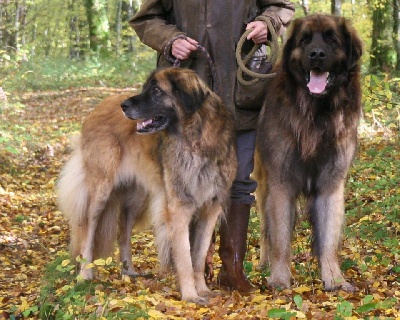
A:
x,y
174,28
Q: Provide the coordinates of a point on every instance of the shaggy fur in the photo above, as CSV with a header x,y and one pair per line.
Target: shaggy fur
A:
x,y
307,135
170,154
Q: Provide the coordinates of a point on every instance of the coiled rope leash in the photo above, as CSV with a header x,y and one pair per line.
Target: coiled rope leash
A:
x,y
272,57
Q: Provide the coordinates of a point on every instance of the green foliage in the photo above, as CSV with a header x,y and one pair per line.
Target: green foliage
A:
x,y
376,93
65,296
381,101
280,314
344,309
58,74
61,73
20,218
13,137
298,300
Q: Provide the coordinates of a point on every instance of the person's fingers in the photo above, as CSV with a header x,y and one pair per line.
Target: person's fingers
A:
x,y
260,38
181,48
193,42
259,34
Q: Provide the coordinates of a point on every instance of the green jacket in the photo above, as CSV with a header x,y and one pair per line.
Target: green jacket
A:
x,y
217,25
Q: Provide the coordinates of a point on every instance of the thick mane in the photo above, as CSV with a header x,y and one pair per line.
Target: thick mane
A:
x,y
315,120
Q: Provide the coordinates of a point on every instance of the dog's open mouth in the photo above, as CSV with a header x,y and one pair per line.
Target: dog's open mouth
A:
x,y
152,125
318,81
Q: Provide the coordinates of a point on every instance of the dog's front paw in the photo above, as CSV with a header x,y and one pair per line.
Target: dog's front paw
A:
x,y
343,285
86,273
208,294
279,282
132,273
203,301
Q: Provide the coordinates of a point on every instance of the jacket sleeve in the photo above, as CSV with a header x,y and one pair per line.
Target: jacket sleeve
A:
x,y
151,25
280,12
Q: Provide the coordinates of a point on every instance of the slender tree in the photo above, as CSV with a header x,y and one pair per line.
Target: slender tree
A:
x,y
75,49
396,32
382,51
118,24
336,7
99,29
306,6
129,8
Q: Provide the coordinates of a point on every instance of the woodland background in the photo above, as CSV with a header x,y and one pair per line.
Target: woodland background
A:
x,y
58,59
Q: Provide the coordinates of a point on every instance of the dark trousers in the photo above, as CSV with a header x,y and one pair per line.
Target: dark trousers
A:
x,y
244,186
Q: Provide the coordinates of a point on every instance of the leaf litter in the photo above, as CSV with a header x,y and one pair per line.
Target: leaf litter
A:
x,y
34,234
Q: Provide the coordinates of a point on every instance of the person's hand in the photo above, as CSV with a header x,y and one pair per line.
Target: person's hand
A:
x,y
260,32
181,48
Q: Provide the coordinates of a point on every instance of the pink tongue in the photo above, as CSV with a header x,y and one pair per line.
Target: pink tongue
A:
x,y
317,82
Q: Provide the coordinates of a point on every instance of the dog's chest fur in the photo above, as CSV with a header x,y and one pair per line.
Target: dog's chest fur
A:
x,y
195,179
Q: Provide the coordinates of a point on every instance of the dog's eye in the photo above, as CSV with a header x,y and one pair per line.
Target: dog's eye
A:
x,y
330,37
156,90
304,39
331,40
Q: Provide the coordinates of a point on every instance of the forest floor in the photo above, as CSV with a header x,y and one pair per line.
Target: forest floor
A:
x,y
37,279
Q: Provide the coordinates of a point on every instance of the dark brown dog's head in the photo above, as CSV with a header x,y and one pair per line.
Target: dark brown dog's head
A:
x,y
169,96
321,52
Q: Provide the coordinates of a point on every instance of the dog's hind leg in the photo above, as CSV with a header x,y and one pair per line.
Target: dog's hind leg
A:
x,y
203,231
327,215
260,175
96,209
132,208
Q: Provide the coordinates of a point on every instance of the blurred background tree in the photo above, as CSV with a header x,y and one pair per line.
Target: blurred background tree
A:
x,y
77,29
50,44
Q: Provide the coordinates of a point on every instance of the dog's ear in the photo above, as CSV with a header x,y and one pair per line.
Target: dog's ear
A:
x,y
290,44
353,44
189,89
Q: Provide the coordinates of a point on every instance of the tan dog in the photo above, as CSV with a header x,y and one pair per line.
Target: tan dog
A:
x,y
170,154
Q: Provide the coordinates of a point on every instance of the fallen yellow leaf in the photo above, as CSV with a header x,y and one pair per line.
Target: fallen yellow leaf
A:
x,y
301,289
258,299
99,262
65,262
154,314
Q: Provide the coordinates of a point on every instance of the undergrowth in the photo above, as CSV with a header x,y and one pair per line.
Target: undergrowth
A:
x,y
371,251
62,73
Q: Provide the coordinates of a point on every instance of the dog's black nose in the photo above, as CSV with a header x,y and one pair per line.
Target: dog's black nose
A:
x,y
317,54
124,105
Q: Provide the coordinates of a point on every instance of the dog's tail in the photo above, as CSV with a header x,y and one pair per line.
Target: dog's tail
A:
x,y
74,195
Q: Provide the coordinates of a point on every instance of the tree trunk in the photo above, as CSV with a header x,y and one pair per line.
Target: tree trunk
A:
x,y
118,28
336,7
99,29
23,15
2,24
305,5
16,25
396,32
74,32
382,51
129,8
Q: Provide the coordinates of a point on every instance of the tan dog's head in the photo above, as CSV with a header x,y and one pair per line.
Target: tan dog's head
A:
x,y
169,96
321,53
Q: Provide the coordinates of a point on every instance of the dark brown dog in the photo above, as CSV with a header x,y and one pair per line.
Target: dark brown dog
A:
x,y
307,135
170,154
